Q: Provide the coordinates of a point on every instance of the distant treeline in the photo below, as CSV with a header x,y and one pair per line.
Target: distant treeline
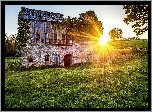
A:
x,y
10,46
132,38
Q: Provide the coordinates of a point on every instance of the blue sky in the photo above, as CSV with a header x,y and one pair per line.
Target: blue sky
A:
x,y
111,15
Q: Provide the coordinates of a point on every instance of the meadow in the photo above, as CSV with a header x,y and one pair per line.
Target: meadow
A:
x,y
120,84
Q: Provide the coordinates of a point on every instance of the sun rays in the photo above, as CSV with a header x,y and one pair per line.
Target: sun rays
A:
x,y
98,44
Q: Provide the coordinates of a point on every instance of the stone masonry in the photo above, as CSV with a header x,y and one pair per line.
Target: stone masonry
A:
x,y
79,53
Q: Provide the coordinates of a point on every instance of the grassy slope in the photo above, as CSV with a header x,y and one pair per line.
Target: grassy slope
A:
x,y
131,43
124,85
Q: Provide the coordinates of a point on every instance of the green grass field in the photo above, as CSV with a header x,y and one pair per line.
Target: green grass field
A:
x,y
132,43
117,85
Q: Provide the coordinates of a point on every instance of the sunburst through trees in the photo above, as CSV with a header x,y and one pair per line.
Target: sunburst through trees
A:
x,y
90,31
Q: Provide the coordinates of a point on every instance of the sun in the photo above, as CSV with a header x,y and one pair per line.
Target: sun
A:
x,y
103,40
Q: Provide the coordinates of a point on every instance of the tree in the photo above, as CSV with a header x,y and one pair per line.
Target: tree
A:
x,y
115,33
70,25
90,23
10,48
83,27
23,33
138,14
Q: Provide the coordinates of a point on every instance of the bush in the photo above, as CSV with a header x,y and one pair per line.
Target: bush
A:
x,y
12,64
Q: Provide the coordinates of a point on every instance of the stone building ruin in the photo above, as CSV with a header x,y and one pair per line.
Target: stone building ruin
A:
x,y
49,44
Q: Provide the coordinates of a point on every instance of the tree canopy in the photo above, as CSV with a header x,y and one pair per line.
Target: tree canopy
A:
x,y
84,27
138,14
90,23
115,33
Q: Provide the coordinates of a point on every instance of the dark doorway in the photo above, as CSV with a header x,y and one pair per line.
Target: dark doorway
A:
x,y
67,60
47,59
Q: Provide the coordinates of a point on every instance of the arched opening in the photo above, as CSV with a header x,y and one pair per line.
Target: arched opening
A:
x,y
67,60
30,60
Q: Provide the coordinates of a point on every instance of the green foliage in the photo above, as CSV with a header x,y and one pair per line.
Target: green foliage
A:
x,y
138,43
69,24
23,33
86,24
10,48
91,23
138,14
115,33
12,64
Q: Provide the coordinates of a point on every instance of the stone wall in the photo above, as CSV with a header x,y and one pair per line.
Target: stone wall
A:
x,y
79,53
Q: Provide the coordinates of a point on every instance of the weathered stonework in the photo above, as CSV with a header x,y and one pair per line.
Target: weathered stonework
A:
x,y
78,52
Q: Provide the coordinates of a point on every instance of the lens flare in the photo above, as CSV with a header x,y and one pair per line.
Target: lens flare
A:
x,y
103,40
99,45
